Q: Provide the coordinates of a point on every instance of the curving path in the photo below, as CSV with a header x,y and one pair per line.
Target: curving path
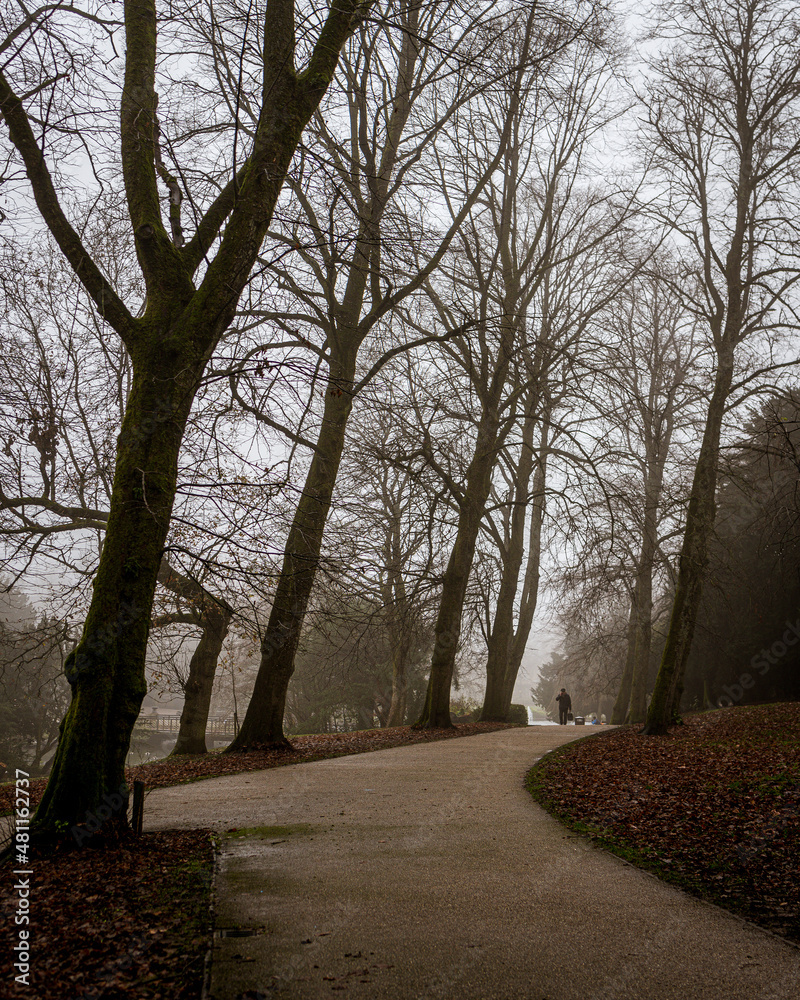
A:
x,y
429,872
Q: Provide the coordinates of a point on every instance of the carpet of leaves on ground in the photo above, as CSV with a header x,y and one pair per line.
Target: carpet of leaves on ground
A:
x,y
176,770
113,922
714,806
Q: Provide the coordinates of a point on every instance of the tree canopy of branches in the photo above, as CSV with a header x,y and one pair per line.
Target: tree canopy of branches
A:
x,y
192,275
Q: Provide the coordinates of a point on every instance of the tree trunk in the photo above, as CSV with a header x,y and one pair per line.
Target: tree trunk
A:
x,y
643,623
400,619
106,670
693,559
499,645
401,649
214,615
397,711
530,585
436,711
619,713
641,657
200,683
263,722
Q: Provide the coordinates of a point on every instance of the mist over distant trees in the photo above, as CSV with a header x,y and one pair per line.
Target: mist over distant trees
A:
x,y
34,693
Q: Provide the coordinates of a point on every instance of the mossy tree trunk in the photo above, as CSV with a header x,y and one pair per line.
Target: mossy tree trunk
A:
x,y
641,650
263,722
169,346
447,631
106,670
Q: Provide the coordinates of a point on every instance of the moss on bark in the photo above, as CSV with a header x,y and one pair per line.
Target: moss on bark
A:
x,y
106,670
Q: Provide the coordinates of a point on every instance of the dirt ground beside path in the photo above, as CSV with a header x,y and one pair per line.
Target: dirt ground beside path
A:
x,y
428,871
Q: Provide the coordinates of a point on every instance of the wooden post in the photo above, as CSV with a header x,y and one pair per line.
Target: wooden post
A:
x,y
138,807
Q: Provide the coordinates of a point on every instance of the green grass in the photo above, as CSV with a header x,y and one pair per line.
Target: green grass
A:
x,y
267,832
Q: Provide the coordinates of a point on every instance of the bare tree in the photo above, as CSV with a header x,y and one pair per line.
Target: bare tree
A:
x,y
62,398
522,518
653,401
192,283
721,128
534,219
363,257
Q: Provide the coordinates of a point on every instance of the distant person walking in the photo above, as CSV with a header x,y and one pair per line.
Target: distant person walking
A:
x,y
564,706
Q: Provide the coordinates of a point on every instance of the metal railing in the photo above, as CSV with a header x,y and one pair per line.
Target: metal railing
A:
x,y
172,723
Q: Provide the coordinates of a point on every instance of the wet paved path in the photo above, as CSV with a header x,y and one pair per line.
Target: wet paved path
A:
x,y
429,872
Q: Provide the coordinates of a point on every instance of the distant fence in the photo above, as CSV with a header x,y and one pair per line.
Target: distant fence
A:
x,y
172,723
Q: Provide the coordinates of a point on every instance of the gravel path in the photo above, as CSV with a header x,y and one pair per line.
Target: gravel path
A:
x,y
428,872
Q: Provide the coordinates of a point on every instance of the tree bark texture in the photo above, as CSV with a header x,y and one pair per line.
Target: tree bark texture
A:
x,y
106,670
694,556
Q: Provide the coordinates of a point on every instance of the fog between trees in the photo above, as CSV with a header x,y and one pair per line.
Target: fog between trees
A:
x,y
370,340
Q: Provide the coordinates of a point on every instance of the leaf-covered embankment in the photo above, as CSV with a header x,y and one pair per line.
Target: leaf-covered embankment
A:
x,y
713,806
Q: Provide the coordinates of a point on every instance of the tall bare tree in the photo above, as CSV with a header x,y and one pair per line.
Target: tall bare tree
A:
x,y
396,119
721,128
192,283
653,397
535,218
